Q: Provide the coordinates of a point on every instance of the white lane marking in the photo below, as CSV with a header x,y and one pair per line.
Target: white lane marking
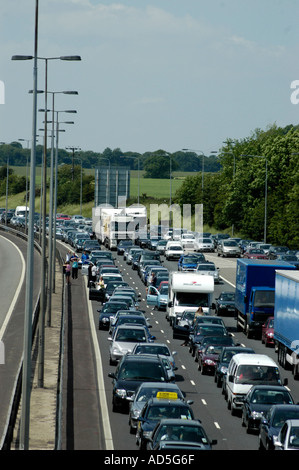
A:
x,y
183,367
204,401
101,384
192,382
217,425
18,289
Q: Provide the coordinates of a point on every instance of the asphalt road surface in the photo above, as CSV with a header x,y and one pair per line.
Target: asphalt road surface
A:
x,y
209,404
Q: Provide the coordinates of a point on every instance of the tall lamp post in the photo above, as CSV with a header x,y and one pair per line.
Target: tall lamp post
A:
x,y
26,196
50,237
73,111
26,374
266,190
138,166
43,239
202,165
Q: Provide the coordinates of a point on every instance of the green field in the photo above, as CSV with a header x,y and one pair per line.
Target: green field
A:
x,y
157,188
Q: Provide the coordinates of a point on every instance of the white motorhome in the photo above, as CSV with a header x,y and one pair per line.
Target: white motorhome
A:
x,y
188,291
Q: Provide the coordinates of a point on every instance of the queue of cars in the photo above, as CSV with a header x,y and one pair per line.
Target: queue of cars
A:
x,y
143,382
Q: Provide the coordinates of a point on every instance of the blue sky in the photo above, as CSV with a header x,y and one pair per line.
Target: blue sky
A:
x,y
155,74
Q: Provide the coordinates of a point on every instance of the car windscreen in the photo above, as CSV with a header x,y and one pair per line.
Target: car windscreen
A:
x,y
187,299
141,370
251,373
130,335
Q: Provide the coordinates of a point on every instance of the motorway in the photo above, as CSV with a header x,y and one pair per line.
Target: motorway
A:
x,y
209,404
13,251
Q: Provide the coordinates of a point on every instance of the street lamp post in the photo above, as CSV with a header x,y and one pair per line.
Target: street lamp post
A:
x,y
202,165
107,179
26,196
50,236
56,185
43,238
266,190
138,166
26,373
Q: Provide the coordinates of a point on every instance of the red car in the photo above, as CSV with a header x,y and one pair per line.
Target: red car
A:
x,y
207,360
255,253
268,332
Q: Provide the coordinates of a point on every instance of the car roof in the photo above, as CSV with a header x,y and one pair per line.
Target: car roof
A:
x,y
142,357
131,327
155,344
164,402
254,359
267,387
178,422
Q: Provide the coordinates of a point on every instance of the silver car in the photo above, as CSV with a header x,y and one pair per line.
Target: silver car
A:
x,y
124,339
146,391
228,248
210,269
205,245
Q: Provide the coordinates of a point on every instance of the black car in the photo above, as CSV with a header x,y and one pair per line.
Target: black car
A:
x,y
272,422
122,245
109,310
179,434
224,340
224,359
130,372
202,330
156,409
259,400
274,251
225,304
111,286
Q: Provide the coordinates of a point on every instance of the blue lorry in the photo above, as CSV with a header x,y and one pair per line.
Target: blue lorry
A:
x,y
286,320
255,293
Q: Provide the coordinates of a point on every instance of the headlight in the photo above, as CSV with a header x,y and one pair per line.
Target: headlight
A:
x,y
209,362
223,369
270,335
147,434
136,414
257,415
121,392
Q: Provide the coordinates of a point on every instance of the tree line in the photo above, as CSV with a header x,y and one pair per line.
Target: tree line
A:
x,y
235,196
154,164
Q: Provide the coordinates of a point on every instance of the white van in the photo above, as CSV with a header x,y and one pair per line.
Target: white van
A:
x,y
246,370
20,211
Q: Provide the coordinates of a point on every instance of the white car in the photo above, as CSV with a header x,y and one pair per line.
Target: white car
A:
x,y
124,339
174,251
189,242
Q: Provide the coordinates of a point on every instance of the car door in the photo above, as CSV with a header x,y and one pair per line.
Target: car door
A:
x,y
152,297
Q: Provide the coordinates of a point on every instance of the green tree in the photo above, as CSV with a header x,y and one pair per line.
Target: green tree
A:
x,y
158,165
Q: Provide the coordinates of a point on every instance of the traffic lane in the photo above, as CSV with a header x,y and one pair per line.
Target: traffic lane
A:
x,y
187,375
209,404
10,274
205,408
13,338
